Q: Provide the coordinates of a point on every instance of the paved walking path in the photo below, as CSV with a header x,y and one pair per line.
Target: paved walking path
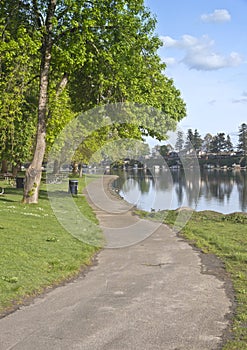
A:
x,y
151,295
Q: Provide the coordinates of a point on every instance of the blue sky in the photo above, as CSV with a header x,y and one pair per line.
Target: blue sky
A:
x,y
205,49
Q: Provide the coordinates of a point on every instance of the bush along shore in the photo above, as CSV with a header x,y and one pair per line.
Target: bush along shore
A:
x,y
225,236
36,252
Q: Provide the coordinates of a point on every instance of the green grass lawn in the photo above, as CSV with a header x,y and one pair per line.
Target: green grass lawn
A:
x,y
36,252
226,237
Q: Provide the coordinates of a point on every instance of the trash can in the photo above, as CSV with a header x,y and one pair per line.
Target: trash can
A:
x,y
73,186
19,182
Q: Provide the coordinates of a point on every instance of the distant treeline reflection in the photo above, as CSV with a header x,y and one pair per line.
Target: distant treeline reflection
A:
x,y
212,186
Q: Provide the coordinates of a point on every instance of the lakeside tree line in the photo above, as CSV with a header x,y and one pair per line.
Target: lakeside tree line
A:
x,y
60,58
216,144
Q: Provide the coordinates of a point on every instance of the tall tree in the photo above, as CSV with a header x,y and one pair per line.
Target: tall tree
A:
x,y
218,143
189,143
229,144
33,173
90,53
197,140
242,138
180,141
206,143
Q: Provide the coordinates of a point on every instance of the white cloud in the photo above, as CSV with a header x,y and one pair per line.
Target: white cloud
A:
x,y
169,61
199,53
220,15
168,41
205,60
185,42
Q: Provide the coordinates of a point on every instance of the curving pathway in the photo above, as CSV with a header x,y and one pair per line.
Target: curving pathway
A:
x,y
151,295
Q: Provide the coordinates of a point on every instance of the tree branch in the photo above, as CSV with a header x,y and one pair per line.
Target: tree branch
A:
x,y
73,30
37,14
62,84
67,9
59,89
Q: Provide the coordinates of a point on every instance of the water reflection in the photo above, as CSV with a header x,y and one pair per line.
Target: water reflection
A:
x,y
220,190
241,181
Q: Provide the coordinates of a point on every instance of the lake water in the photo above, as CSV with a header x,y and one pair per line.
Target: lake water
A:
x,y
224,191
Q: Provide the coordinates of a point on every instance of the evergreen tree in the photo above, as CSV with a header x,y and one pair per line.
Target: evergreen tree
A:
x,y
189,140
218,143
197,140
180,141
229,145
242,138
193,140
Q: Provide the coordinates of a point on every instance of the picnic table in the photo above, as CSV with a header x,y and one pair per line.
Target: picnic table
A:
x,y
7,176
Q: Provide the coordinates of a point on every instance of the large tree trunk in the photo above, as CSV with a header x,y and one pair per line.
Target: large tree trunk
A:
x,y
4,168
34,171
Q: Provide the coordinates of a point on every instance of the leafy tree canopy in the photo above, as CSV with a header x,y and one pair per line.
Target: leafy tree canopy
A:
x,y
85,53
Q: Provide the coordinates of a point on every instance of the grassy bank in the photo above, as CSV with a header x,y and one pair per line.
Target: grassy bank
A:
x,y
35,251
226,237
